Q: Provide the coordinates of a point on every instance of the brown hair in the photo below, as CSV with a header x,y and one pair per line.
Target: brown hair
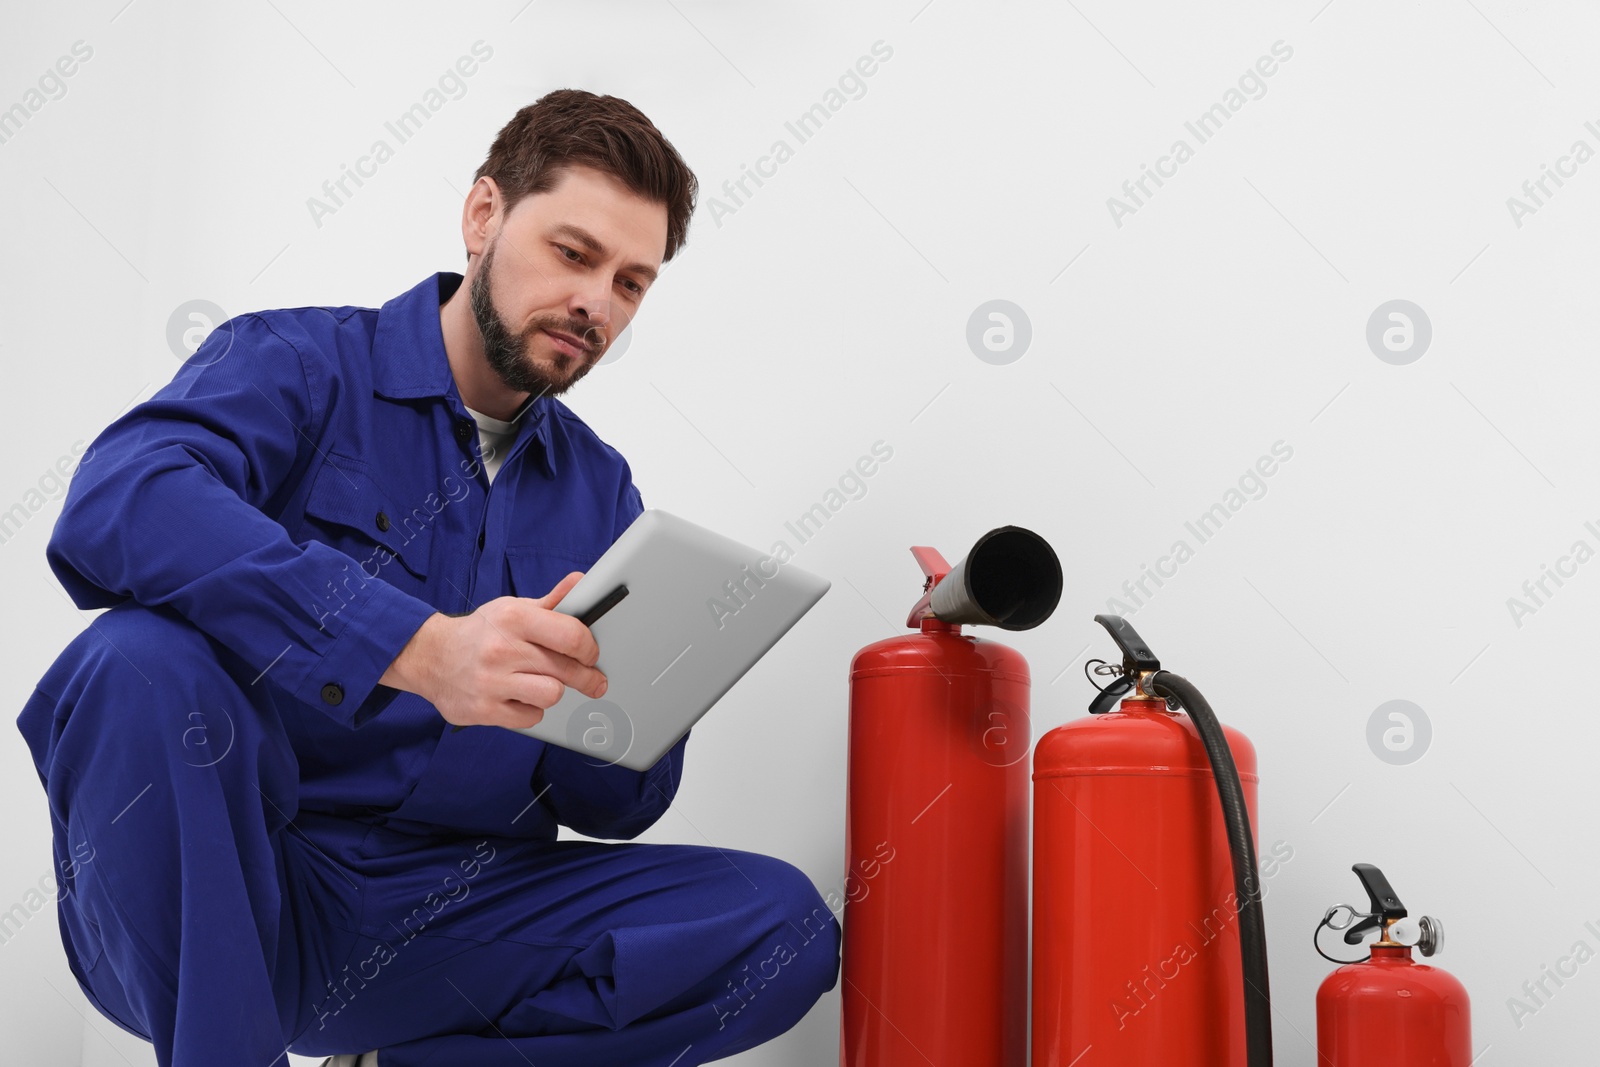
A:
x,y
572,126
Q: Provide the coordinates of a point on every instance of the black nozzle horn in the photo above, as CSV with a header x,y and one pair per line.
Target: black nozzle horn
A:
x,y
1010,579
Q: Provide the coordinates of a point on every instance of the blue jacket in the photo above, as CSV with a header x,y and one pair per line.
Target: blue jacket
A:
x,y
307,490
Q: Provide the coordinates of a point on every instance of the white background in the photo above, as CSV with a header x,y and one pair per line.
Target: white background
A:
x,y
829,310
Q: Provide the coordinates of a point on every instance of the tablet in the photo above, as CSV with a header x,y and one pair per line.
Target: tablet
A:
x,y
680,614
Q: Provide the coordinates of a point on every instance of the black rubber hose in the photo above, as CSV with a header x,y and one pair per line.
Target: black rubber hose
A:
x,y
1242,847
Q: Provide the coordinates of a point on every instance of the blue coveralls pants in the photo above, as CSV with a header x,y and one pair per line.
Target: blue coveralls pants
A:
x,y
203,911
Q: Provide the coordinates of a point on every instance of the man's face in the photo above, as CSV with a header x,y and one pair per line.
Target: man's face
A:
x,y
563,277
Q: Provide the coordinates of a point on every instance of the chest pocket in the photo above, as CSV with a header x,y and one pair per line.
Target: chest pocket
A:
x,y
356,515
535,569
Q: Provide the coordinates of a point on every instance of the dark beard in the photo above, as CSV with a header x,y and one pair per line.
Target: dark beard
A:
x,y
507,352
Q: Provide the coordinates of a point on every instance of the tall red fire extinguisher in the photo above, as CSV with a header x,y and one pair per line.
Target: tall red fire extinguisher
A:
x,y
936,832
1149,945
1386,1010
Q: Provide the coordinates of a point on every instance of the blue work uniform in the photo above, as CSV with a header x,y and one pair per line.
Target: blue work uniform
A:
x,y
261,848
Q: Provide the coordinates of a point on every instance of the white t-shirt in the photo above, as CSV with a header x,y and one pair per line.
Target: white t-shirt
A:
x,y
494,439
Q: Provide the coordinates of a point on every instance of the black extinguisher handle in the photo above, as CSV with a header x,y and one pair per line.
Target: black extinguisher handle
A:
x,y
1379,892
1136,655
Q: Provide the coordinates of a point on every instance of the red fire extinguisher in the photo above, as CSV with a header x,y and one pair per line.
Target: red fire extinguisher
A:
x,y
1385,1010
1149,945
936,832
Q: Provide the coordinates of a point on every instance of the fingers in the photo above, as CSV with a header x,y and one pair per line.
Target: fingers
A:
x,y
556,673
533,690
516,658
525,620
534,648
522,696
564,586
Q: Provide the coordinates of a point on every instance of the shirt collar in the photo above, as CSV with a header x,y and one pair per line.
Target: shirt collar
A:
x,y
409,359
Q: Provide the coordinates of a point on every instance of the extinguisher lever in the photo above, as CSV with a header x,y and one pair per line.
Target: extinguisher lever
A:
x,y
1385,904
932,563
1136,655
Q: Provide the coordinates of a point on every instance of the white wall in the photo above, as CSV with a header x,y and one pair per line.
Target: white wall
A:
x,y
829,310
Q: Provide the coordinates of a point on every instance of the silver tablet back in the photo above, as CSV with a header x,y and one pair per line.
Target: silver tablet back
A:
x,y
683,613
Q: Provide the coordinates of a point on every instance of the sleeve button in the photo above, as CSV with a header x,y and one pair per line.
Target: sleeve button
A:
x,y
332,693
383,521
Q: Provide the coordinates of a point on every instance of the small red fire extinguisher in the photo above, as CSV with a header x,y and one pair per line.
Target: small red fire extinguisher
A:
x,y
935,966
1386,1010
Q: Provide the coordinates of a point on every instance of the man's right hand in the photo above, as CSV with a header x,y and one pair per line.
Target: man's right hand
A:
x,y
502,665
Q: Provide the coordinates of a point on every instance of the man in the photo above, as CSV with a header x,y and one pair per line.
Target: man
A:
x,y
334,534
